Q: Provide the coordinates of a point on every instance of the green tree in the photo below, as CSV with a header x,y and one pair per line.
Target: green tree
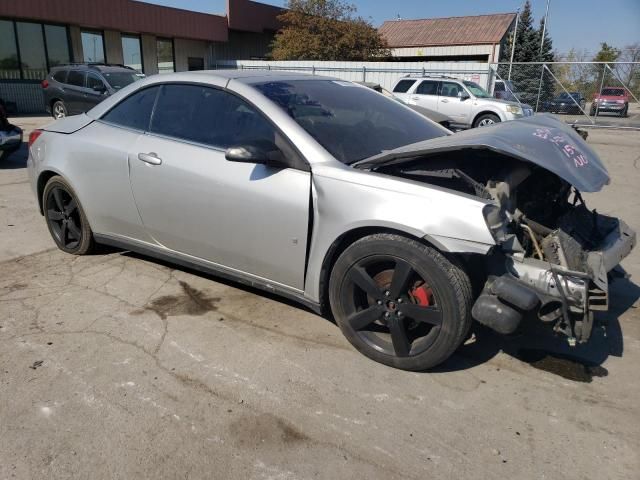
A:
x,y
526,78
607,53
326,30
545,54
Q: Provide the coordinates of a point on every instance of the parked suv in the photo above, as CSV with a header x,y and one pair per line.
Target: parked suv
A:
x,y
465,102
76,88
611,99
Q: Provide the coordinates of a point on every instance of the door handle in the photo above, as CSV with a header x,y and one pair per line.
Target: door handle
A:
x,y
444,100
150,158
415,98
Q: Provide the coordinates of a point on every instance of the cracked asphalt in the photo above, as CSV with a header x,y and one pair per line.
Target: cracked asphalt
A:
x,y
118,366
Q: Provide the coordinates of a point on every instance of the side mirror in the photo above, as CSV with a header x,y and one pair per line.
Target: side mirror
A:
x,y
462,95
100,88
263,153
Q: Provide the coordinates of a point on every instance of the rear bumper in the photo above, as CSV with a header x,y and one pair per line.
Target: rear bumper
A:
x,y
557,295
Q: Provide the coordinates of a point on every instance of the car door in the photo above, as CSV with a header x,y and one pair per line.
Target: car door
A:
x,y
451,104
95,91
74,92
101,166
245,217
425,95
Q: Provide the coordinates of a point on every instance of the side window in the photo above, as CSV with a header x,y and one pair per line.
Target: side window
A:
x,y
76,78
450,89
403,86
94,81
216,118
499,87
60,76
209,116
134,111
428,87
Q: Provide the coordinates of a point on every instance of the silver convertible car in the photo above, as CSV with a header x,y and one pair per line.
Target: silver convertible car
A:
x,y
351,203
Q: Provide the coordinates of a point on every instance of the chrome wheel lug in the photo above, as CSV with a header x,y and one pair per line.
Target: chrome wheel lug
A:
x,y
387,293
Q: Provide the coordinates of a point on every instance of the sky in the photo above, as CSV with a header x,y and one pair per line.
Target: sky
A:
x,y
579,24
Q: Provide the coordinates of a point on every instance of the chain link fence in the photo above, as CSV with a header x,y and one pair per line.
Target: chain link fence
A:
x,y
590,94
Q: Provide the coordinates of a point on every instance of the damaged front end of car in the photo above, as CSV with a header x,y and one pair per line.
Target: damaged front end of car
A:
x,y
553,255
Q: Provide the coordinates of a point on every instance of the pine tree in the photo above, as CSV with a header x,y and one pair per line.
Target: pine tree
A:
x,y
526,78
545,54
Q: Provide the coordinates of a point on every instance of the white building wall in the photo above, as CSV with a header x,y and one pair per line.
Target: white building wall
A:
x,y
384,73
455,50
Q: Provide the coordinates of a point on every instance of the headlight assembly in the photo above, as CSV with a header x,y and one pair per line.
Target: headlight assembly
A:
x,y
515,109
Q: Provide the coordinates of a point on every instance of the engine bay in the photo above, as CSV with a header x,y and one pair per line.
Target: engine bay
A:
x,y
554,252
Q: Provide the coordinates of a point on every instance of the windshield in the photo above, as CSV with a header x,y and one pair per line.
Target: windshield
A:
x,y
351,122
118,80
568,96
476,89
613,92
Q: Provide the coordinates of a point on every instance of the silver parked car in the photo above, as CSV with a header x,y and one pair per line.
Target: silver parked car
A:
x,y
326,192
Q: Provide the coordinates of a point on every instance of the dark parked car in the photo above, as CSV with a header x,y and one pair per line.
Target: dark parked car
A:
x,y
76,88
506,90
10,135
566,103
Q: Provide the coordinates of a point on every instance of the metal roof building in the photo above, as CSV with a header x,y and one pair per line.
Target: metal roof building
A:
x,y
476,38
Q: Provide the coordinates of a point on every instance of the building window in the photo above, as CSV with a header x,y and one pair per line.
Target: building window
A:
x,y
57,43
33,60
93,47
9,64
39,47
165,55
131,52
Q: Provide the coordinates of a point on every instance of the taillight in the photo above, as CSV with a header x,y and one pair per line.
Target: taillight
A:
x,y
44,83
33,136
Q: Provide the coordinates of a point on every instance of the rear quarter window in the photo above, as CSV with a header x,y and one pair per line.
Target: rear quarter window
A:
x,y
134,111
403,86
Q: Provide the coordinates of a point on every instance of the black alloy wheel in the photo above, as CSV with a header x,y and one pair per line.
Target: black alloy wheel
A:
x,y
65,218
390,306
400,302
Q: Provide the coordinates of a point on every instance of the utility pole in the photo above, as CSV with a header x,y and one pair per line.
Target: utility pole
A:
x,y
513,42
544,27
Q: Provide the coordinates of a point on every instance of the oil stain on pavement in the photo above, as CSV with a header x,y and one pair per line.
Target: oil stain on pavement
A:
x,y
190,302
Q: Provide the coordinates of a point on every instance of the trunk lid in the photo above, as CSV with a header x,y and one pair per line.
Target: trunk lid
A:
x,y
69,124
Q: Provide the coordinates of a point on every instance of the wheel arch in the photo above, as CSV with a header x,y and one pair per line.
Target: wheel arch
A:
x,y
43,178
346,239
485,112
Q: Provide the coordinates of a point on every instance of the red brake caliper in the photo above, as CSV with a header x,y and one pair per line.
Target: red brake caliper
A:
x,y
422,295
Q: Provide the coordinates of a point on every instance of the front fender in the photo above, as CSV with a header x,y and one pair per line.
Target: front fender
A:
x,y
349,200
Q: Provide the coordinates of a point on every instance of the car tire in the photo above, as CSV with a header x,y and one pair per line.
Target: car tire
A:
x,y
400,302
66,220
486,120
59,109
625,111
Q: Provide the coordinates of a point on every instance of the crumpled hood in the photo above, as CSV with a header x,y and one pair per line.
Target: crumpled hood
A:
x,y
542,140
